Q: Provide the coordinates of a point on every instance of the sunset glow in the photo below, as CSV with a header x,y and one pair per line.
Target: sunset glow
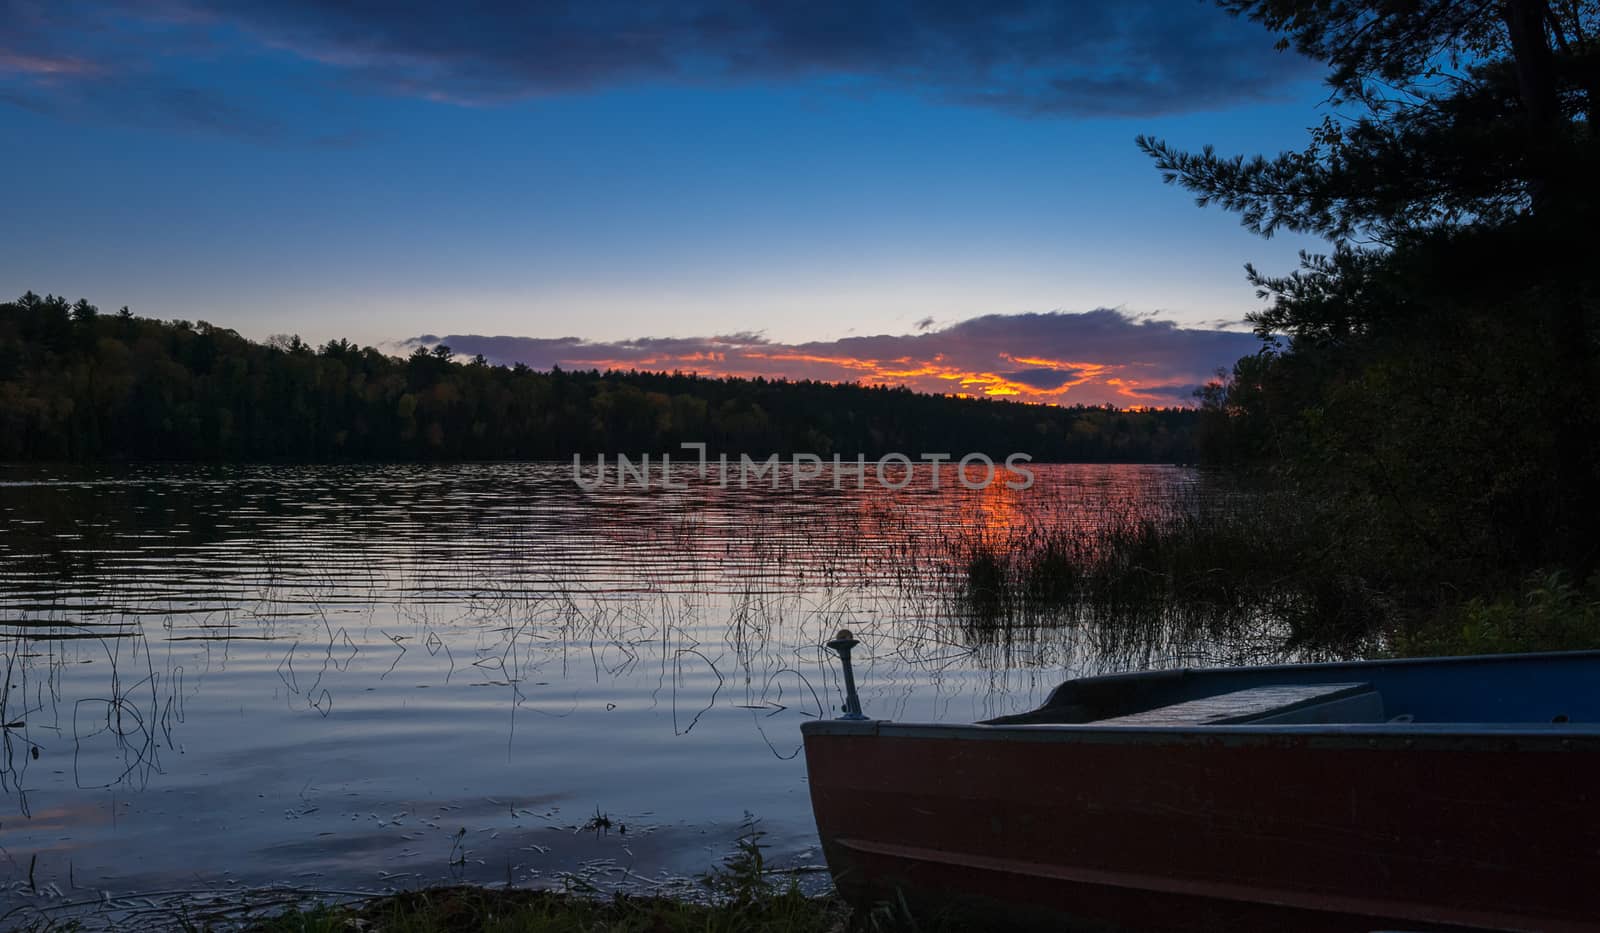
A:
x,y
1102,357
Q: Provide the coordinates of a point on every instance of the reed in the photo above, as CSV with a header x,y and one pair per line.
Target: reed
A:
x,y
1184,570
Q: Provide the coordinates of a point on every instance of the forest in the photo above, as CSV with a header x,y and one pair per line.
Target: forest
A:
x,y
77,384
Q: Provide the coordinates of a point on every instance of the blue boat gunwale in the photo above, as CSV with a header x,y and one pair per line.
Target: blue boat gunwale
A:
x,y
1459,660
1504,685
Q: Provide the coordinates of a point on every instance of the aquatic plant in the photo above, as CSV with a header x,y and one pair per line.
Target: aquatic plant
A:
x,y
1185,573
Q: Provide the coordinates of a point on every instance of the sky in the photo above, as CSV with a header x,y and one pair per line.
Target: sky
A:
x,y
943,194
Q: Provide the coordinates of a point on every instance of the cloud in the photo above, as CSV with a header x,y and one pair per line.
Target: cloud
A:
x,y
24,64
1047,379
130,64
1032,57
1095,357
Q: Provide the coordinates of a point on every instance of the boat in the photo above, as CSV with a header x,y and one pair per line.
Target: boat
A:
x,y
1429,794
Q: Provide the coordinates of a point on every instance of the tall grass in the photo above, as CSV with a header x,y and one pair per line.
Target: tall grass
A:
x,y
1190,571
1183,571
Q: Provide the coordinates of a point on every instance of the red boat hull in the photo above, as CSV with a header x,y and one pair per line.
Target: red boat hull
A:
x,y
1265,829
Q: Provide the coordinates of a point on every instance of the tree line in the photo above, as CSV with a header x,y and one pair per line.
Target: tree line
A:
x,y
78,384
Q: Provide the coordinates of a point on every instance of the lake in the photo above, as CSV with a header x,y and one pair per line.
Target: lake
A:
x,y
370,677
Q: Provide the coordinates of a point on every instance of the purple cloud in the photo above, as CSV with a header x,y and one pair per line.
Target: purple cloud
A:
x,y
1092,358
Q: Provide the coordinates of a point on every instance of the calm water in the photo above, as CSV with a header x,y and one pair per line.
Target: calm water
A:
x,y
388,676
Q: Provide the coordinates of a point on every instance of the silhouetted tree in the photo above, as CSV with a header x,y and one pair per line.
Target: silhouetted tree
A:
x,y
1439,374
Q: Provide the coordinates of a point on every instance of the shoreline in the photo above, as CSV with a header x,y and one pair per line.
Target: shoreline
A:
x,y
742,897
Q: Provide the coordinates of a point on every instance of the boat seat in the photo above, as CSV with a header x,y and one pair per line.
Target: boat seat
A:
x,y
1279,704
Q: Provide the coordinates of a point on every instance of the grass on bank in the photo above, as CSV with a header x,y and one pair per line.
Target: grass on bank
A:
x,y
463,909
743,894
743,897
1548,614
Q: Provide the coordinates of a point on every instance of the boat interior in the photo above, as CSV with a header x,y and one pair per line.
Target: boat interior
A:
x,y
1550,690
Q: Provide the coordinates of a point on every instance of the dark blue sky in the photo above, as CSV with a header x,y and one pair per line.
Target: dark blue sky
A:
x,y
808,172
